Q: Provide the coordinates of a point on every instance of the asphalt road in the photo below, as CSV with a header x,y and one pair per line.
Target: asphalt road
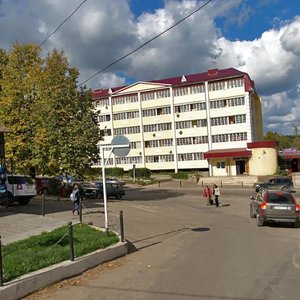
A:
x,y
182,249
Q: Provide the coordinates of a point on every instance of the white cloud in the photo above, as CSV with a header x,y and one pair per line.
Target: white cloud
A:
x,y
102,31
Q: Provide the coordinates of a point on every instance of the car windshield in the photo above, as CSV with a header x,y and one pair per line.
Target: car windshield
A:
x,y
19,180
280,198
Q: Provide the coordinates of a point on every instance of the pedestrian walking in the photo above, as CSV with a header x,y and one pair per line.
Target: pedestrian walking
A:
x,y
217,194
207,195
75,198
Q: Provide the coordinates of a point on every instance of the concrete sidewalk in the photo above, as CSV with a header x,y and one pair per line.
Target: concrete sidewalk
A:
x,y
14,227
20,222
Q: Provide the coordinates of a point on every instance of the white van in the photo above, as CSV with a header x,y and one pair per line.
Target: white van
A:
x,y
20,188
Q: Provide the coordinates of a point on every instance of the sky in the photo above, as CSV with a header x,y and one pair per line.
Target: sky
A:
x,y
259,37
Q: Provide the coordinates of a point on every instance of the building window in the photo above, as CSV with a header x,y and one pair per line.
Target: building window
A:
x,y
197,89
127,160
163,94
126,115
148,96
236,101
216,86
127,130
181,91
125,99
237,119
219,121
234,83
105,132
220,138
101,103
157,127
239,136
191,124
190,156
221,165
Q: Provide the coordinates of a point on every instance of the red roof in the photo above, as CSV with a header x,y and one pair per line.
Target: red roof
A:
x,y
289,153
262,144
227,153
210,75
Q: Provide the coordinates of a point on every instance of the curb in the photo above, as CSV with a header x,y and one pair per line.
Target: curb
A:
x,y
29,283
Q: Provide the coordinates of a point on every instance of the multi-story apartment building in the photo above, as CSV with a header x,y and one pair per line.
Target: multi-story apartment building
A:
x,y
171,123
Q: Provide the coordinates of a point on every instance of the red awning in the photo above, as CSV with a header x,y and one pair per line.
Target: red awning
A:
x,y
226,153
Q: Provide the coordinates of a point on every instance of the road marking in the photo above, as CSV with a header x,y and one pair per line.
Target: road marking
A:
x,y
144,208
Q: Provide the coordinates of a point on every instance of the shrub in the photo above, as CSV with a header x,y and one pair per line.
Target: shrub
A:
x,y
114,172
142,173
180,175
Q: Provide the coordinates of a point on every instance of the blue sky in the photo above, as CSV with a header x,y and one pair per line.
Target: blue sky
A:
x,y
260,37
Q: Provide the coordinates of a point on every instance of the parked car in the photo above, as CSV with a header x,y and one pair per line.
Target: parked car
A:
x,y
275,206
90,190
115,180
42,185
279,183
95,190
20,188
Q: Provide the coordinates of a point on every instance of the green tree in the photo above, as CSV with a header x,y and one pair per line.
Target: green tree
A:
x,y
283,140
296,139
19,79
51,120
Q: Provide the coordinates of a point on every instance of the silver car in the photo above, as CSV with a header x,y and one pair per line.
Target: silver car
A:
x,y
275,206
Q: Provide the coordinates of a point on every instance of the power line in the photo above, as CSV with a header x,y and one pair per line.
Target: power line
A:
x,y
144,44
61,24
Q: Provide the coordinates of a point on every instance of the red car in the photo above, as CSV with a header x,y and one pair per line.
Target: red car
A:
x,y
42,185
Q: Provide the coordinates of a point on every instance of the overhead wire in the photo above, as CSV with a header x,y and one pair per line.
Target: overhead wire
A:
x,y
144,44
61,24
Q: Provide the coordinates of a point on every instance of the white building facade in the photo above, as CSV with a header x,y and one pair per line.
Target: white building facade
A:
x,y
171,123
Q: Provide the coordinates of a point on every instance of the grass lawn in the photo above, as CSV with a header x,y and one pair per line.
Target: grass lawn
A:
x,y
49,248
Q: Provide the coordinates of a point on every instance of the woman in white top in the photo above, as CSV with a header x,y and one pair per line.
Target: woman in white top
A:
x,y
217,193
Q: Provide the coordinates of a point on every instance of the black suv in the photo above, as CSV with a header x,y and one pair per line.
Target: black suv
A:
x,y
275,183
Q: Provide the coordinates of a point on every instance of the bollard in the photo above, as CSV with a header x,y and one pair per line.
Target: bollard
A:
x,y
221,184
71,241
158,183
43,205
80,210
202,183
1,266
122,226
180,183
242,184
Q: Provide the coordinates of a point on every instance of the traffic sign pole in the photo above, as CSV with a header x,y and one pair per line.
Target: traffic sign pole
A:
x,y
120,146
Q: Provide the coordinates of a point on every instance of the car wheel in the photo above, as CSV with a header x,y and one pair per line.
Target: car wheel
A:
x,y
259,221
24,200
118,196
285,188
4,200
252,214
